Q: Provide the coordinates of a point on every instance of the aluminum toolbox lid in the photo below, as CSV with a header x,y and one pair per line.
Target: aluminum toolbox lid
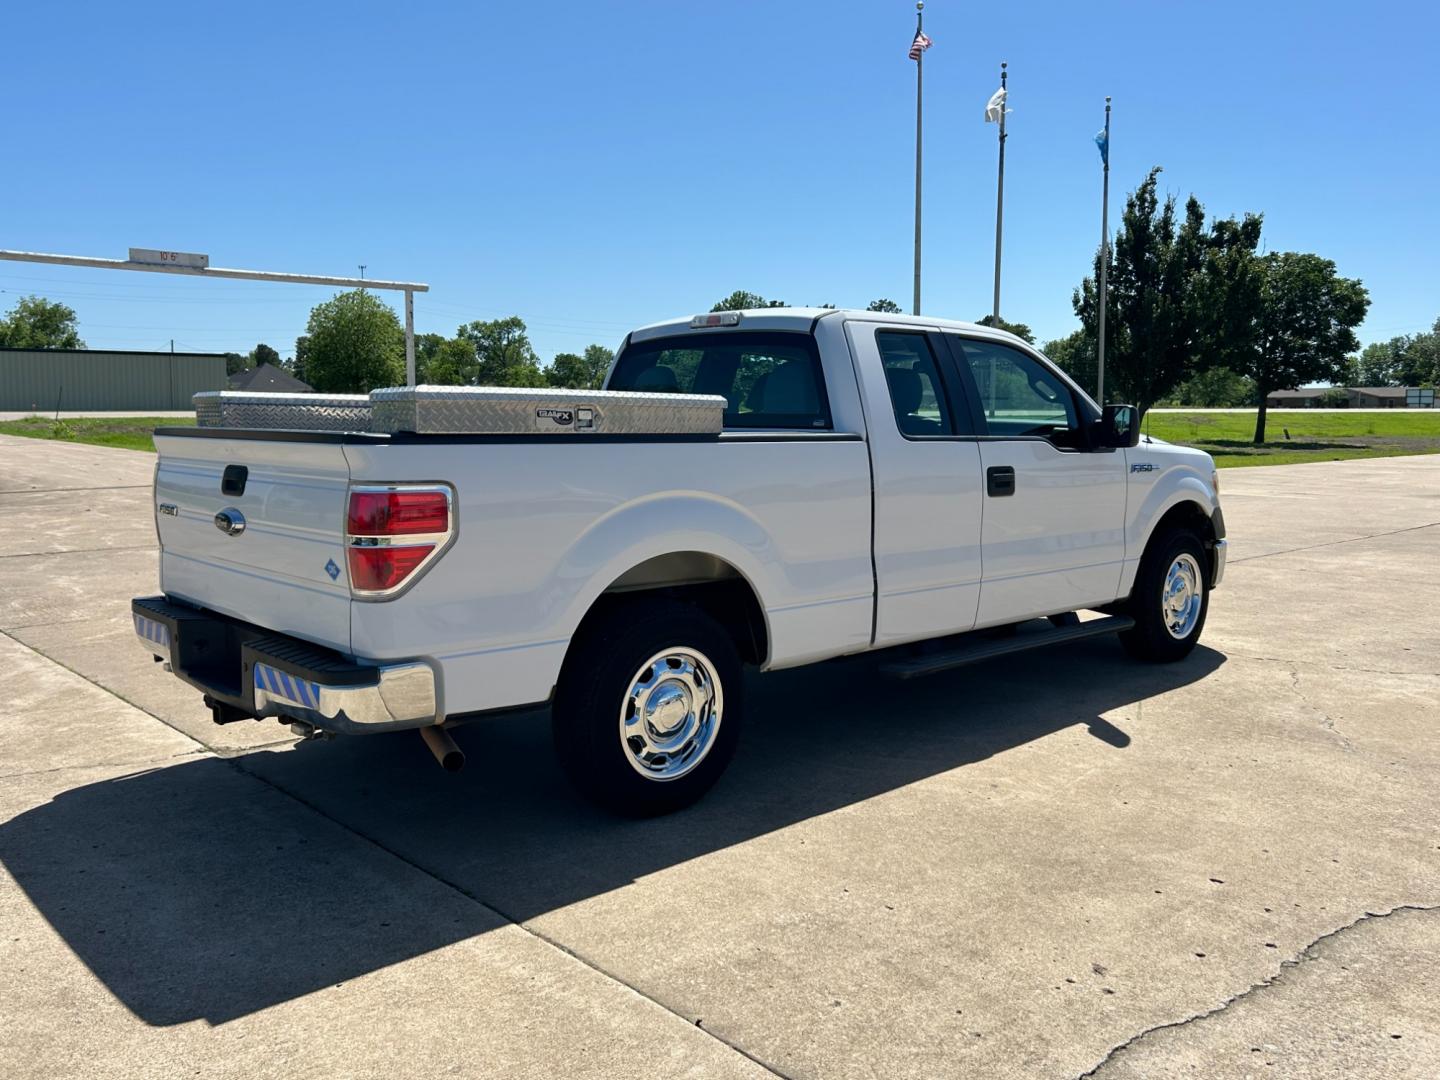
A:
x,y
292,412
503,410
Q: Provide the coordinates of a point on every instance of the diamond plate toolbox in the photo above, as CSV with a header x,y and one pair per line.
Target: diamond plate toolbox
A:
x,y
293,412
495,410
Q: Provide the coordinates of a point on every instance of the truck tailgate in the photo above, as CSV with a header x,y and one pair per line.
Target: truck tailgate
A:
x,y
286,567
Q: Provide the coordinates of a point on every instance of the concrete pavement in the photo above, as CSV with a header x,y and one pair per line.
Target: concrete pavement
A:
x,y
1053,865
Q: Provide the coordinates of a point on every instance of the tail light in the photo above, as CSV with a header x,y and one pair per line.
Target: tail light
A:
x,y
392,534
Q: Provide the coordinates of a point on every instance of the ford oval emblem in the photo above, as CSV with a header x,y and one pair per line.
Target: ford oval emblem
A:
x,y
230,521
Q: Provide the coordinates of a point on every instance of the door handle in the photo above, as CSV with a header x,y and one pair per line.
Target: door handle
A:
x,y
1000,480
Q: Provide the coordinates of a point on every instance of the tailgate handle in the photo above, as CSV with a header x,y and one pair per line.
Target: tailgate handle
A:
x,y
232,482
1000,480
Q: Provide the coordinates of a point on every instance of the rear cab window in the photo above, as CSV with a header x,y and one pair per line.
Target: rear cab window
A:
x,y
913,379
769,379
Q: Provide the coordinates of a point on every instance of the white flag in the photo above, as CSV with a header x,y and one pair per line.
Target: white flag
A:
x,y
995,107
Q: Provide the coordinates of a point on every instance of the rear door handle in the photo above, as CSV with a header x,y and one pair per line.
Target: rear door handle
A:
x,y
1000,480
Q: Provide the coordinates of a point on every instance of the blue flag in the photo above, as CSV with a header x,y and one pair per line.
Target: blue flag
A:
x,y
1102,140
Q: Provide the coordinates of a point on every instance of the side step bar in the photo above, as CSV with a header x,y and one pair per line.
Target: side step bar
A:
x,y
986,648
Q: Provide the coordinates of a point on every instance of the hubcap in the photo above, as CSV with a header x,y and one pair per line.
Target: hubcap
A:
x,y
1183,595
671,713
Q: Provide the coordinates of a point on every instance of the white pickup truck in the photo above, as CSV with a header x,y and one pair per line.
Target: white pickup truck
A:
x,y
933,489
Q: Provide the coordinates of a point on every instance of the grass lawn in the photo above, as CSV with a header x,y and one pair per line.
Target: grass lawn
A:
x,y
1313,435
126,432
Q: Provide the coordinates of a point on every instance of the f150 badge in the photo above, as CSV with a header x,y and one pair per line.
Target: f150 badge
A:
x,y
1142,466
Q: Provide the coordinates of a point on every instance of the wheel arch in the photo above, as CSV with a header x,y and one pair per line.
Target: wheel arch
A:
x,y
702,578
1186,510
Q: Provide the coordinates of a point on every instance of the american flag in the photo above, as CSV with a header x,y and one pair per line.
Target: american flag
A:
x,y
919,45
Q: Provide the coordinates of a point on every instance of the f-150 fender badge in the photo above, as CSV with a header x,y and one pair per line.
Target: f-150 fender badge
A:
x,y
1142,466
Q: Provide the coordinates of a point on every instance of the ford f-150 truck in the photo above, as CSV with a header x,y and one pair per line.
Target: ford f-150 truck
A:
x,y
934,491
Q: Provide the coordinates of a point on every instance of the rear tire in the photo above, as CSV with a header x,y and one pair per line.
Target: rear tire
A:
x,y
648,707
1170,600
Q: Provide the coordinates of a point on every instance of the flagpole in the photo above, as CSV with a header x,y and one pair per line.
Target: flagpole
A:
x,y
919,76
1104,255
1000,193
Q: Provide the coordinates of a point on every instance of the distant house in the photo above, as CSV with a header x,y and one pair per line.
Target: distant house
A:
x,y
1306,397
269,379
1376,397
1358,397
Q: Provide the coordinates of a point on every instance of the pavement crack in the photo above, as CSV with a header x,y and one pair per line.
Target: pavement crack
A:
x,y
147,762
76,551
1334,543
1326,720
1304,955
1330,667
49,491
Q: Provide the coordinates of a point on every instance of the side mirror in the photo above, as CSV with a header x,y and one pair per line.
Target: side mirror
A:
x,y
1120,426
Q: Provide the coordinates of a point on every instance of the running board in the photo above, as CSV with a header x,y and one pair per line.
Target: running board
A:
x,y
986,648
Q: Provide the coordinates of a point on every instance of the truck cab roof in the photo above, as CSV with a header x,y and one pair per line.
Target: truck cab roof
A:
x,y
805,318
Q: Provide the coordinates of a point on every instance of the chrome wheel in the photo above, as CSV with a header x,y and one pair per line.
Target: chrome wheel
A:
x,y
1184,593
671,713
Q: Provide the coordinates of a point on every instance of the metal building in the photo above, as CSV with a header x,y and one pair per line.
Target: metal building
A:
x,y
42,380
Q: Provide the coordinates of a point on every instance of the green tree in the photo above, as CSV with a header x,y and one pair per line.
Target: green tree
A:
x,y
888,307
577,372
1216,388
1178,294
740,300
1072,355
302,352
1408,360
354,344
1305,328
235,363
1378,364
448,362
1019,329
567,370
264,354
1422,359
504,356
37,323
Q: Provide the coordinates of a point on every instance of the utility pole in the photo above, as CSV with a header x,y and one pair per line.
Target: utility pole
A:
x,y
1000,192
1104,142
918,51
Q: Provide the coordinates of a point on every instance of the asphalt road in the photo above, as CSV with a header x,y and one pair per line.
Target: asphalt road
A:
x,y
1059,865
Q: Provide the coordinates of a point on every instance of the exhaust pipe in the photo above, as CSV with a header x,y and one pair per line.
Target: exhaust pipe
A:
x,y
450,756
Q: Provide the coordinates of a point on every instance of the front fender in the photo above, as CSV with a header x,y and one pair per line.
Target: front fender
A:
x,y
1178,476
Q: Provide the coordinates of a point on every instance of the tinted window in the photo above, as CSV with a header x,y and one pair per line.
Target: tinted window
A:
x,y
914,382
769,380
1019,395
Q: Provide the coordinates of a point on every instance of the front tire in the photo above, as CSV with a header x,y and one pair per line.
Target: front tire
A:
x,y
648,707
1170,600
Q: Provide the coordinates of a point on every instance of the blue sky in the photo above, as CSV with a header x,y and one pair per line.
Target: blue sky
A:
x,y
592,166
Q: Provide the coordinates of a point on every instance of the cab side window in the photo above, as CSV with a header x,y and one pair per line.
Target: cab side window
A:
x,y
1020,396
914,382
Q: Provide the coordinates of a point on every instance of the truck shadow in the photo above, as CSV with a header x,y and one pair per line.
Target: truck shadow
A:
x,y
195,892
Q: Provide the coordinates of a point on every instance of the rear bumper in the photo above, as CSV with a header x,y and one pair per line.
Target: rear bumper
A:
x,y
259,673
